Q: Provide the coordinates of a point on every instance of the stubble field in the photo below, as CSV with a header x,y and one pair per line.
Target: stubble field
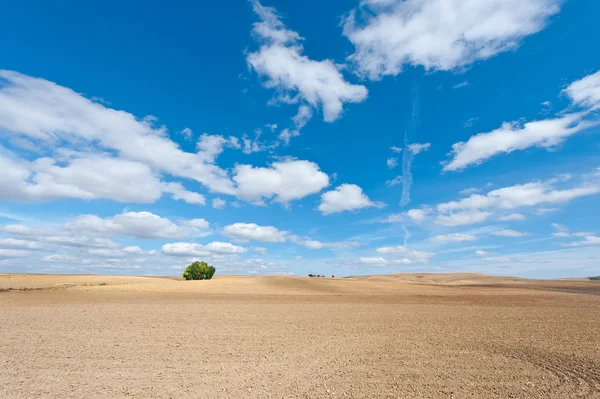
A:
x,y
398,336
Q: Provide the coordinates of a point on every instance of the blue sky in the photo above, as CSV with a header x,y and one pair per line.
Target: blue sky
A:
x,y
336,138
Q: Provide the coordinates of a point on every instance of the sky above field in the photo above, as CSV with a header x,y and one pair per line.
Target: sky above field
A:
x,y
337,137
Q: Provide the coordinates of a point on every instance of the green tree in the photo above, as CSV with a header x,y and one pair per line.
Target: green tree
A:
x,y
199,271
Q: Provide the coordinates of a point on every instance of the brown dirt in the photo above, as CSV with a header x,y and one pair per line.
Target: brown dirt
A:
x,y
398,336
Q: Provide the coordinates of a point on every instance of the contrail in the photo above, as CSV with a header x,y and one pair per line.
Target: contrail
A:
x,y
407,235
407,154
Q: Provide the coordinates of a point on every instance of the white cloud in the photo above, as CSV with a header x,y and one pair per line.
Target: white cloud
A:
x,y
456,237
60,258
251,146
440,34
511,217
194,249
509,233
499,259
15,243
252,231
54,115
461,84
588,240
178,192
132,249
513,136
67,238
545,133
144,225
315,244
560,227
200,224
283,181
418,256
13,253
395,181
211,146
479,252
529,194
417,148
418,215
373,261
392,162
562,231
586,91
187,133
543,211
85,177
396,149
295,77
299,121
469,191
346,197
462,218
218,203
469,122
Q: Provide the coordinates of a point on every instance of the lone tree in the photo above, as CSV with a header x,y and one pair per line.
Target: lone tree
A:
x,y
199,271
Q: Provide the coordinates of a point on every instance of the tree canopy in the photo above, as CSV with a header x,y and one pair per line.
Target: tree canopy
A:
x,y
199,271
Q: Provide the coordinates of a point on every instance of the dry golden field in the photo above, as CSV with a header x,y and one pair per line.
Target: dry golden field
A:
x,y
398,336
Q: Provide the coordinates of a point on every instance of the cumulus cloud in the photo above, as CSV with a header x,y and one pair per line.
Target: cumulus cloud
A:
x,y
211,146
315,244
418,256
62,237
218,203
378,261
545,133
562,231
439,34
15,243
53,115
346,197
200,223
178,192
88,176
456,237
295,77
194,249
144,225
13,253
187,133
251,231
508,233
282,181
586,91
417,148
477,208
418,215
520,195
588,240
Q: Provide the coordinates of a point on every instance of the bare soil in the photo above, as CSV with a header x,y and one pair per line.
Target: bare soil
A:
x,y
397,336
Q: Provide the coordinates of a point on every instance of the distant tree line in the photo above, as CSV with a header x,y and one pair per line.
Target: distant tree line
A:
x,y
319,275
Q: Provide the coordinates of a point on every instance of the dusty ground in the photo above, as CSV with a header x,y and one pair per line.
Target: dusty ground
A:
x,y
402,336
